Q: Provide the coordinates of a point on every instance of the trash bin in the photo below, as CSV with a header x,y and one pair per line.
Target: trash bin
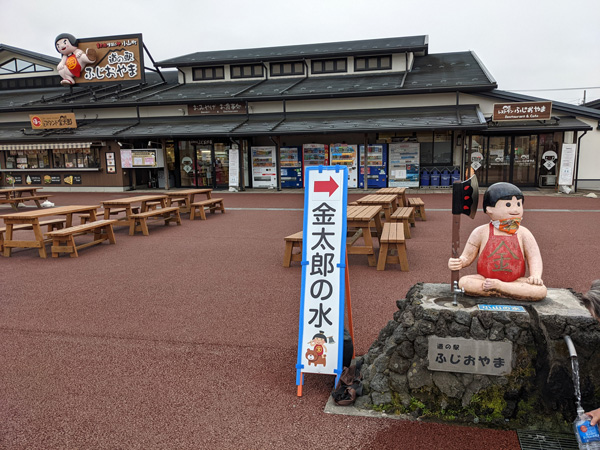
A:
x,y
424,177
445,178
455,176
434,179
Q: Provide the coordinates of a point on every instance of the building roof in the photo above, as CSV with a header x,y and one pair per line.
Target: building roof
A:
x,y
31,55
417,44
323,122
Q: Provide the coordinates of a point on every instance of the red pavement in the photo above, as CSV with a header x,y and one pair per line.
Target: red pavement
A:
x,y
187,338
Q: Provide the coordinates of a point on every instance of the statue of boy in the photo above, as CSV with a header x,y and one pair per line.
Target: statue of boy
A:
x,y
504,248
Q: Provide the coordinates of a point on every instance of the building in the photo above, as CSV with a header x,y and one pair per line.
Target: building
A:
x,y
256,117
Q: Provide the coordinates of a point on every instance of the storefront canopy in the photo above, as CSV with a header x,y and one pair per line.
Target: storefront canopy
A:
x,y
46,146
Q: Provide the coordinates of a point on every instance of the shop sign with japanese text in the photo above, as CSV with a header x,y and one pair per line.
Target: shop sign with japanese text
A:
x,y
217,108
118,59
52,121
320,340
469,356
522,111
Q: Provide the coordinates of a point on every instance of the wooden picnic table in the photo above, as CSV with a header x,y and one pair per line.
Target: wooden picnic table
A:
x,y
128,202
16,195
387,202
185,197
33,218
361,218
399,192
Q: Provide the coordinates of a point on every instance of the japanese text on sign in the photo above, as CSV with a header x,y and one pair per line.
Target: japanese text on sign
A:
x,y
522,111
469,356
217,108
322,302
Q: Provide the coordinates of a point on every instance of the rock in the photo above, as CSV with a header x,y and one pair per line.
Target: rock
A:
x,y
381,398
419,375
477,330
449,384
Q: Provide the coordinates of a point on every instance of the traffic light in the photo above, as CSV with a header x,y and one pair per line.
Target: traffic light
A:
x,y
465,195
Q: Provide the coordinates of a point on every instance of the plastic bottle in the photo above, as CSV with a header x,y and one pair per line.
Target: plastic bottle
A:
x,y
588,437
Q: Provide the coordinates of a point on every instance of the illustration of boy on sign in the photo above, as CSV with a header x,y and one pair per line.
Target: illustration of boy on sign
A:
x,y
504,249
73,59
317,355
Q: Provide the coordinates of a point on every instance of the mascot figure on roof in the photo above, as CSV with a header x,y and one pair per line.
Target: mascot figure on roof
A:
x,y
73,59
504,250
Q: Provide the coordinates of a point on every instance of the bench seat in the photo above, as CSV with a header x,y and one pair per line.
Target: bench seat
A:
x,y
113,212
293,241
419,206
392,238
406,215
63,240
213,204
52,224
139,221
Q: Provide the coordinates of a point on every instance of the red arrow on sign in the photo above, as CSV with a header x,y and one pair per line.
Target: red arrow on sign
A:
x,y
326,186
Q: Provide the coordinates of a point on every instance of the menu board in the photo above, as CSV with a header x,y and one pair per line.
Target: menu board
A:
x,y
404,164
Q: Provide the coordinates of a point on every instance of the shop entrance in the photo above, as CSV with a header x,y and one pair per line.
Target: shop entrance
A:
x,y
512,159
204,164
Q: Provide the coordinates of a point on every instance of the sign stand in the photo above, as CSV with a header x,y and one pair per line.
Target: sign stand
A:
x,y
324,274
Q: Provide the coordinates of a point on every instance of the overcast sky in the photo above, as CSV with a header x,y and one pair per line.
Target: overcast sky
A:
x,y
527,45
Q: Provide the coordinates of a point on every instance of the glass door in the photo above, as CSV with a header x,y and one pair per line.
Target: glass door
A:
x,y
497,160
524,152
221,165
204,169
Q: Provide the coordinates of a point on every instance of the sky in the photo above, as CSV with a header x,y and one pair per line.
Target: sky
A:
x,y
548,49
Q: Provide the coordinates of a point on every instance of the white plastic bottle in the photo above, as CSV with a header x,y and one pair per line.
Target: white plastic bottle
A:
x,y
588,437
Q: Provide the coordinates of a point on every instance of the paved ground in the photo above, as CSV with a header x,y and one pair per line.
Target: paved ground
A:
x,y
187,338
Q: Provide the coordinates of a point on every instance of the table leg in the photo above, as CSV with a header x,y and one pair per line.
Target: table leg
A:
x,y
39,236
378,225
9,233
369,244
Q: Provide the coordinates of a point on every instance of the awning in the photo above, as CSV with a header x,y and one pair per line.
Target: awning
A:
x,y
46,146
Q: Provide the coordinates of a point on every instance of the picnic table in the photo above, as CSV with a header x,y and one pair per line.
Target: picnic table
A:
x,y
399,192
33,218
387,201
185,197
361,218
137,221
16,195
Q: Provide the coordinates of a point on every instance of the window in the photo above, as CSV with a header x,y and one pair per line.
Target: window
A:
x,y
208,73
20,66
383,62
27,159
76,158
329,66
247,71
436,148
287,68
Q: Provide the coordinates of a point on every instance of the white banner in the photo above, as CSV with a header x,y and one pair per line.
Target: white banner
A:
x,y
567,164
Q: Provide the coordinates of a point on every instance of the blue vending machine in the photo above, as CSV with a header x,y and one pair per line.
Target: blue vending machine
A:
x,y
291,167
376,166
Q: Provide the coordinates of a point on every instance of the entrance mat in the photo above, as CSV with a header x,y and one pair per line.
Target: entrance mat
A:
x,y
541,440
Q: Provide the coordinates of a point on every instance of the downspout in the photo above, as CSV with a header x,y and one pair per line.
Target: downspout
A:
x,y
577,167
365,168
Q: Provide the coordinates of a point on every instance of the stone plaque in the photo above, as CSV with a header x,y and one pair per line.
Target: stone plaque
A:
x,y
469,356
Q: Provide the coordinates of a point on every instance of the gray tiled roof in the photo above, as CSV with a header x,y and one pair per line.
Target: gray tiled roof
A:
x,y
348,121
289,52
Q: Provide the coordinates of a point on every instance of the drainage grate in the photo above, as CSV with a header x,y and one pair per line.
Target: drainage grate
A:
x,y
541,440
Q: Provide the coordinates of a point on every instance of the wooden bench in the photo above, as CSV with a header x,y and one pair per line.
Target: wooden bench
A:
x,y
52,224
392,235
139,221
113,212
293,241
419,206
14,202
63,241
406,215
213,204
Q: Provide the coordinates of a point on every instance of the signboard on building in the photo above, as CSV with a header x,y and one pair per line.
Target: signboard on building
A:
x,y
522,111
52,121
320,338
118,59
469,356
131,158
214,108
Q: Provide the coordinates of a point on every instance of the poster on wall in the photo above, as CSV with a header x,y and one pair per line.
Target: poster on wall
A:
x,y
110,163
52,179
33,179
72,179
234,168
567,164
404,164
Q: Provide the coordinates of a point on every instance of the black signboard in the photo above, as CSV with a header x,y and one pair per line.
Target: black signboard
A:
x,y
72,179
52,179
33,179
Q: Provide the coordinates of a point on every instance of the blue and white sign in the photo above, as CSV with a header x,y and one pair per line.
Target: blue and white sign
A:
x,y
503,308
321,332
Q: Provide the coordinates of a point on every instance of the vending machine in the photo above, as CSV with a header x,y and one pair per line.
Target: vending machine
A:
x,y
314,155
404,164
376,166
291,167
264,173
345,155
